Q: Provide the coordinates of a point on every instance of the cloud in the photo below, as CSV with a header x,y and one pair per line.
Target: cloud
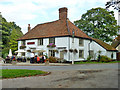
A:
x,y
35,12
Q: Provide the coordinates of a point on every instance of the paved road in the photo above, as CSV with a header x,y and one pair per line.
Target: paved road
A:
x,y
71,67
73,76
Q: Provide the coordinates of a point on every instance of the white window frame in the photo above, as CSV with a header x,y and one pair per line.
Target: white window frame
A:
x,y
51,40
51,53
82,54
81,40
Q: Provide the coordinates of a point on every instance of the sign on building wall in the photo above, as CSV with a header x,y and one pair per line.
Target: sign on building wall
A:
x,y
29,43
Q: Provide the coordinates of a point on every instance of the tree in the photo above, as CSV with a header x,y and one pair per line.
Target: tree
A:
x,y
8,39
98,23
13,43
114,3
15,34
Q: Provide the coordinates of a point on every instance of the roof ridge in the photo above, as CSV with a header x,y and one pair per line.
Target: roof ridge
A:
x,y
68,27
48,22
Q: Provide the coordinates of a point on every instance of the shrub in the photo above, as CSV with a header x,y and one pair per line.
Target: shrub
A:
x,y
61,60
52,59
89,58
104,59
5,52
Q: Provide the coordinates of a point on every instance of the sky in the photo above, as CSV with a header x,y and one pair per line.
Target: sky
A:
x,y
33,12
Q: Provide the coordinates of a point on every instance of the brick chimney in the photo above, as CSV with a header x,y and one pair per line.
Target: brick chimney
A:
x,y
28,27
63,13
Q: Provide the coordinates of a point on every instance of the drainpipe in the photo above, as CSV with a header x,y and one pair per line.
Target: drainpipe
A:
x,y
68,41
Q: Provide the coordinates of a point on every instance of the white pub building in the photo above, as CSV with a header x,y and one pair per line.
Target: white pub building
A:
x,y
62,39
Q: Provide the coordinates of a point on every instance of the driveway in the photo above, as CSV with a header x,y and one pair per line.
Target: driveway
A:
x,y
73,76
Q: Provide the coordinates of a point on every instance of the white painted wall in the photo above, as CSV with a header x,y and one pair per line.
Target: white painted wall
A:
x,y
96,47
108,53
64,42
118,48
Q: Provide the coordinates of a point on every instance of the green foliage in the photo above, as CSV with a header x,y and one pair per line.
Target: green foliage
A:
x,y
13,73
10,32
52,59
113,3
98,23
104,59
89,58
5,52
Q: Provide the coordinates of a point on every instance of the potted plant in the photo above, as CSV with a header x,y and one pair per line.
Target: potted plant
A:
x,y
47,61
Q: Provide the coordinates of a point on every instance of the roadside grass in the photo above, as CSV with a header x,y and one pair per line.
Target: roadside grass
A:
x,y
93,62
14,73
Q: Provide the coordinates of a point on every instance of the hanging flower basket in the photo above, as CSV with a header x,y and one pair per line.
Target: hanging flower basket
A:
x,y
22,47
28,50
75,51
71,50
56,51
51,45
64,51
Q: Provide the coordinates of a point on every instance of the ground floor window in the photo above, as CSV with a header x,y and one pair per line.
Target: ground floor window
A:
x,y
52,53
81,53
23,54
91,53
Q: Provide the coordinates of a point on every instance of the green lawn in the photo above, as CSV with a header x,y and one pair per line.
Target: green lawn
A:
x,y
96,62
13,73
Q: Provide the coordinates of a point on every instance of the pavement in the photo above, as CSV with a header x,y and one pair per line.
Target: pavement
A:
x,y
34,64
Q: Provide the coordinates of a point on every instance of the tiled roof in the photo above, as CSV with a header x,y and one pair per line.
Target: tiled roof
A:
x,y
104,45
116,42
53,29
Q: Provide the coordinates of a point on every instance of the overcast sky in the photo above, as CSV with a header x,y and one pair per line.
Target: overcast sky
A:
x,y
33,12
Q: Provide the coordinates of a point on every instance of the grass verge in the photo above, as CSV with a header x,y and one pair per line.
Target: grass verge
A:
x,y
14,73
95,62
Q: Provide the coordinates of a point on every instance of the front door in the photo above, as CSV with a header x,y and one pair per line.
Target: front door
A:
x,y
61,54
118,56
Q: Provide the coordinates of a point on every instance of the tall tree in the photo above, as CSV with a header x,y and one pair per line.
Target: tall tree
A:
x,y
113,3
13,43
98,23
15,34
116,5
8,28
